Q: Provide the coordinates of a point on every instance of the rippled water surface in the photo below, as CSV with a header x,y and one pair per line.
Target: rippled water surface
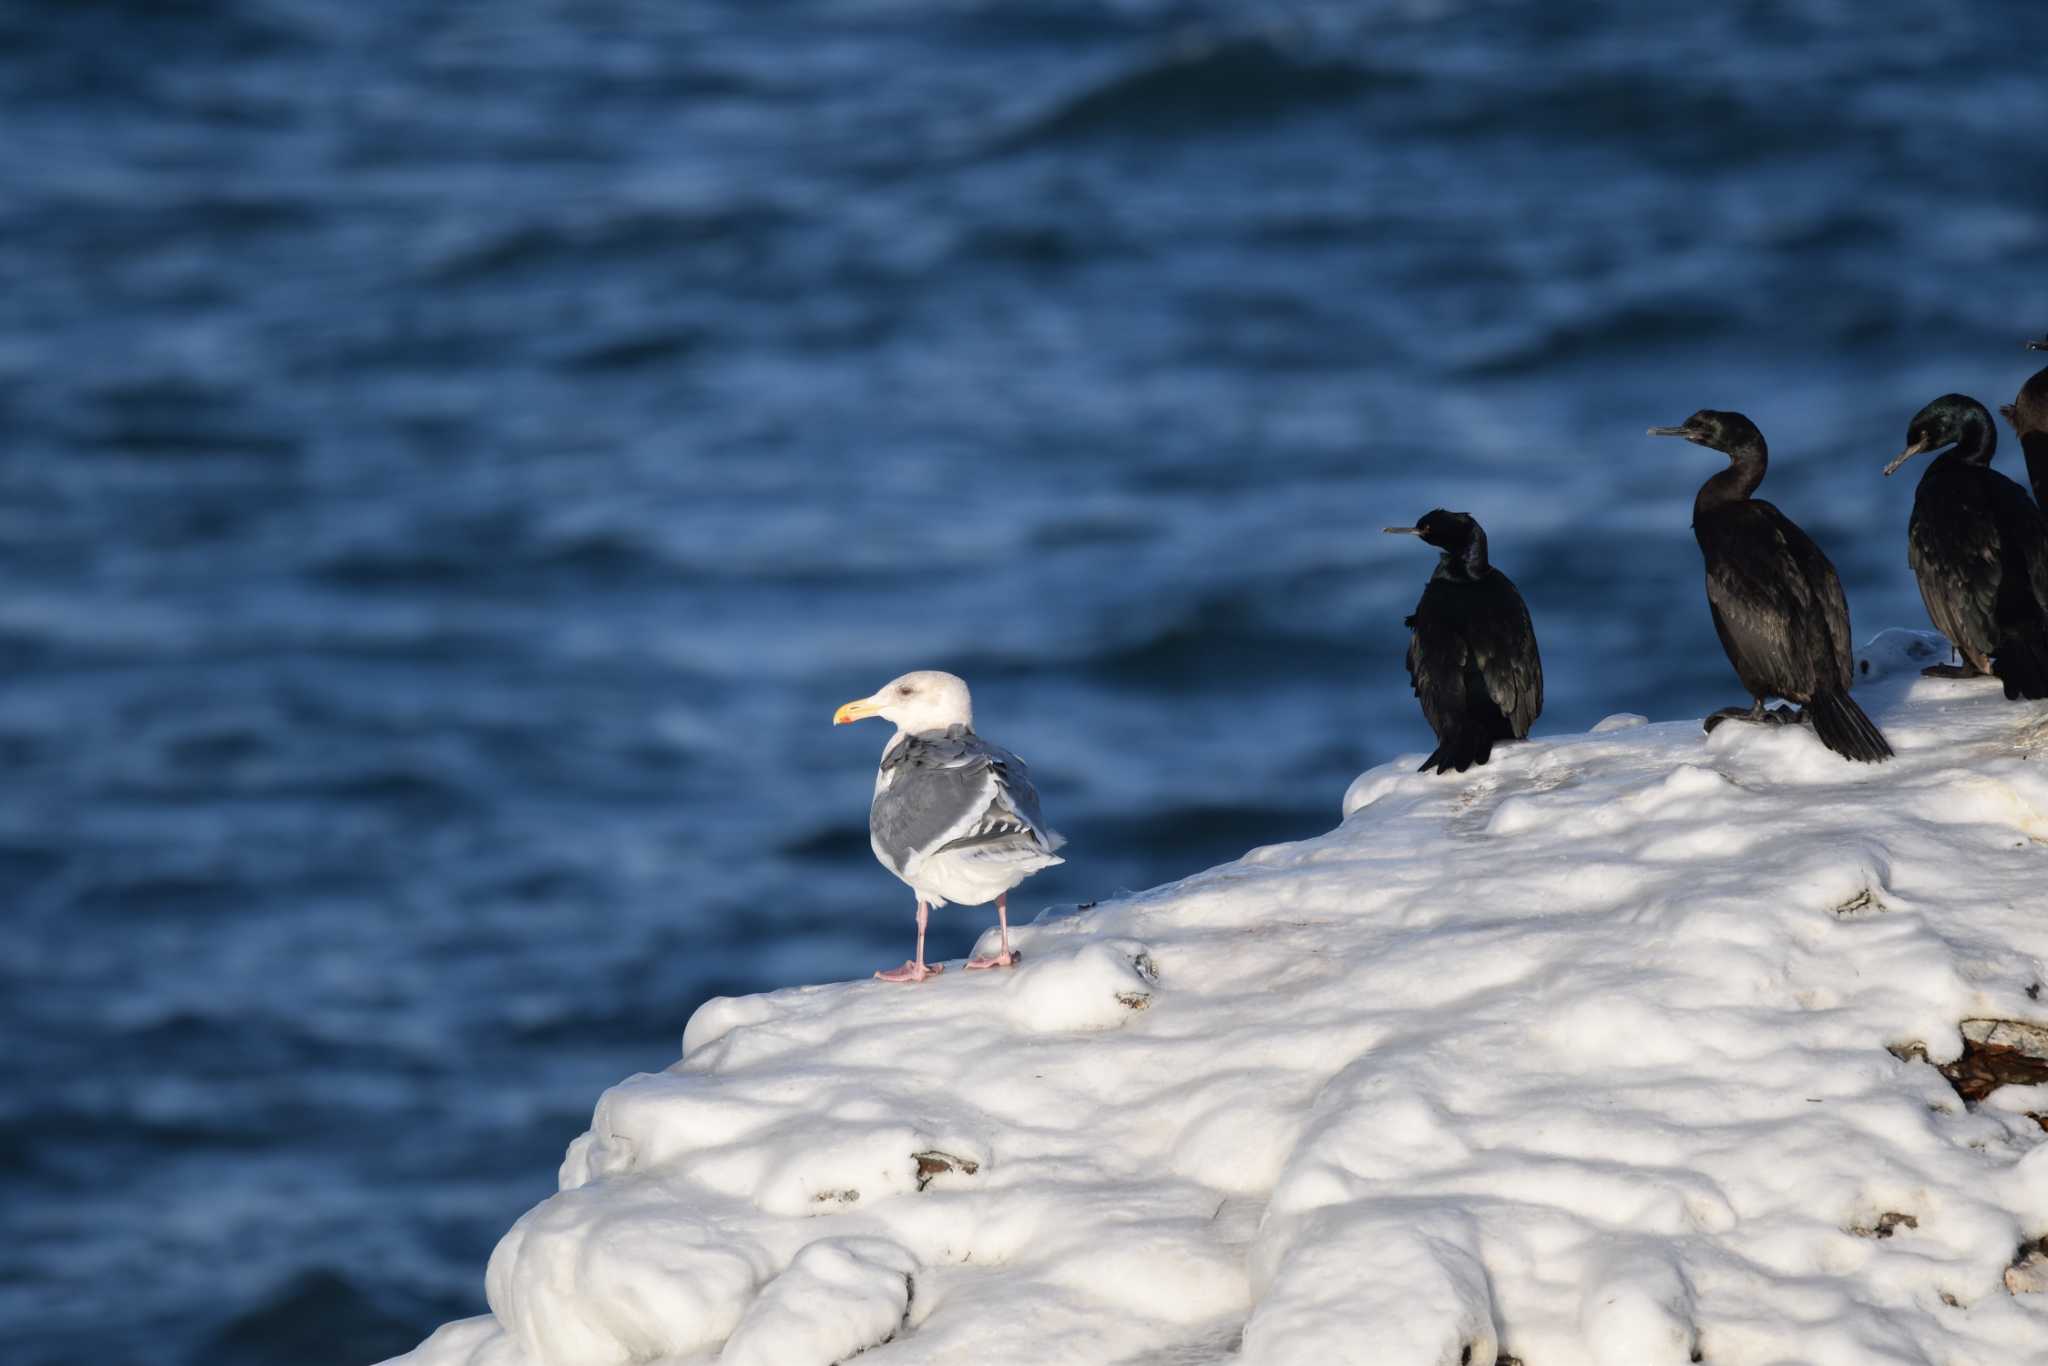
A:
x,y
456,457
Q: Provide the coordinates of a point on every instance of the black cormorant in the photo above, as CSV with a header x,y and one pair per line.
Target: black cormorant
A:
x,y
1777,602
1979,548
1472,657
2028,415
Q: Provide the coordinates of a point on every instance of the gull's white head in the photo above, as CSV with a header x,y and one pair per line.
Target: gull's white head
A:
x,y
917,702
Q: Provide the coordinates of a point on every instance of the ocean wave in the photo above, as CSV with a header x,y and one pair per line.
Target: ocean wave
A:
x,y
638,349
162,894
169,414
833,843
486,557
1218,830
485,249
192,441
1199,85
1625,330
321,1315
1696,119
22,865
1219,637
1038,244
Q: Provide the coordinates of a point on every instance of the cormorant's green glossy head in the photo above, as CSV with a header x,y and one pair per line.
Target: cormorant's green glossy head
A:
x,y
1729,433
1451,531
1952,419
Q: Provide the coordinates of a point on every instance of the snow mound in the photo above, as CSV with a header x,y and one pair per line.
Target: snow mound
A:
x,y
1635,1047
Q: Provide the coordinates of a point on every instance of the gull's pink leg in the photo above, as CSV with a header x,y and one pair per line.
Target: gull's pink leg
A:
x,y
1005,958
915,970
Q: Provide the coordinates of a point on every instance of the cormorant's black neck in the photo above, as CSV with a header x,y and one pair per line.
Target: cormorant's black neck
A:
x,y
1746,464
1466,563
1976,440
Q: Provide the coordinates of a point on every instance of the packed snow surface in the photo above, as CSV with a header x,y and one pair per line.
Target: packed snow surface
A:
x,y
1582,1057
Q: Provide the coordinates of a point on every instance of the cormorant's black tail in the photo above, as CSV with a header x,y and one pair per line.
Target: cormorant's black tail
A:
x,y
1468,734
1463,747
2022,661
1843,728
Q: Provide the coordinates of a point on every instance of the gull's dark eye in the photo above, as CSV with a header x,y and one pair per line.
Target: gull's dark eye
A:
x,y
905,690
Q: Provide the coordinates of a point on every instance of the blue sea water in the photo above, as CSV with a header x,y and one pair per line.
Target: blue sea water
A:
x,y
454,458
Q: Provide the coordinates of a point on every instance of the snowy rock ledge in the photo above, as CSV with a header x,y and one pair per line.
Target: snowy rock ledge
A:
x,y
1626,1049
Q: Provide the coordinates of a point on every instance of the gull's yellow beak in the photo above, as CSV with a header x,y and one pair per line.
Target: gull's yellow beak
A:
x,y
854,710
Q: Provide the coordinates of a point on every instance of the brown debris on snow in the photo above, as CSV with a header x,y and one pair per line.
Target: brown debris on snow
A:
x,y
930,1165
1995,1053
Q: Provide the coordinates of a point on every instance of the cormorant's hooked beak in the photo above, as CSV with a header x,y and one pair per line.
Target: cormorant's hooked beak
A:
x,y
2010,412
1685,432
1402,530
1919,447
855,710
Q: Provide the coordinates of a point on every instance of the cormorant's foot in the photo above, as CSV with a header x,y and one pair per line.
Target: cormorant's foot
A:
x,y
911,972
1949,671
1007,959
1757,714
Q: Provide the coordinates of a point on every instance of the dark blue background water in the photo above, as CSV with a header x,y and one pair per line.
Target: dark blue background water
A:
x,y
456,457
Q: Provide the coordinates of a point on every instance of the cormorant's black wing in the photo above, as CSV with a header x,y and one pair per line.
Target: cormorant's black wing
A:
x,y
1777,602
1471,639
1817,571
1503,642
1437,660
2022,543
1954,546
2020,655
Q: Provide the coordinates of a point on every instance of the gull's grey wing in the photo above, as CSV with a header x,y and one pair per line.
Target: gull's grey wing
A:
x,y
952,789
